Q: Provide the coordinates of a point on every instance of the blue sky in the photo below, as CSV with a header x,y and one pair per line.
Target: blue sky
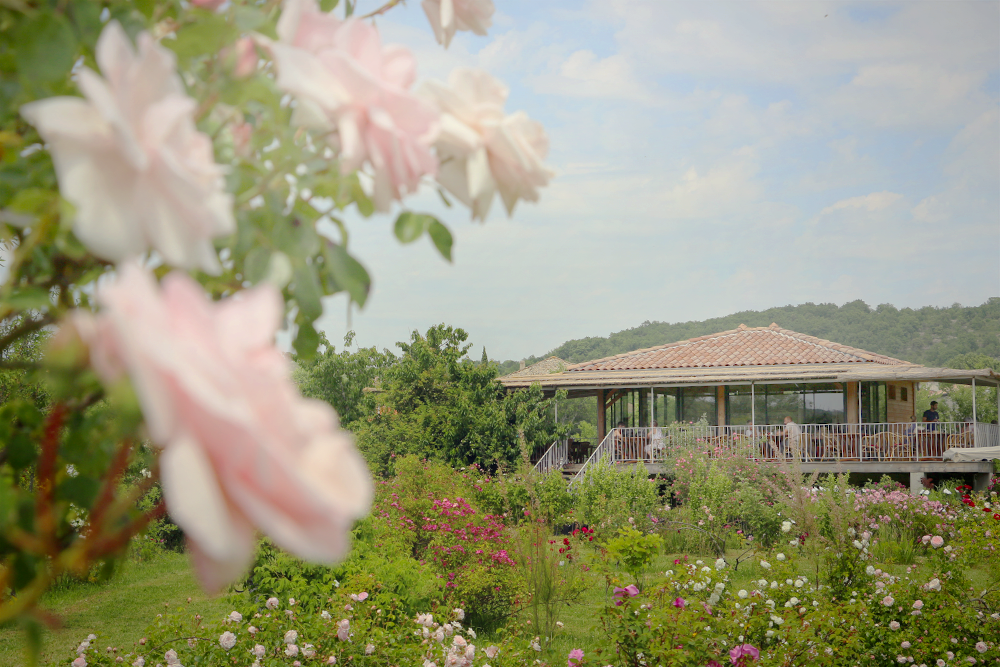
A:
x,y
711,157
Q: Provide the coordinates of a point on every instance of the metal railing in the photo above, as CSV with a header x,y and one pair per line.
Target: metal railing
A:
x,y
600,451
820,443
556,456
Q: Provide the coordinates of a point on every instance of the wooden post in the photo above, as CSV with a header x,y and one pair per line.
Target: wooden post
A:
x,y
601,426
853,402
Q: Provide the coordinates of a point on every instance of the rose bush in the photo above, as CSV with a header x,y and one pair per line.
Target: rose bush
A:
x,y
224,139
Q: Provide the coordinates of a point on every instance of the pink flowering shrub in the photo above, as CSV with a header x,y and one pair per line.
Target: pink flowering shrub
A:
x,y
471,552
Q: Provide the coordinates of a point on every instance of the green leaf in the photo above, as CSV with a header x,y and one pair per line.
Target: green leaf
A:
x,y
146,7
306,292
31,200
306,341
328,5
441,237
255,264
347,272
21,451
206,35
411,226
30,298
357,194
249,18
46,48
79,490
444,197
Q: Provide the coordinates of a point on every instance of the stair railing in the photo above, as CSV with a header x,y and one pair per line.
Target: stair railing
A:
x,y
556,456
606,448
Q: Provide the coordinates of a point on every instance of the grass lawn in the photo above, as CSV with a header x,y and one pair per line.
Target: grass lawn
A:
x,y
117,611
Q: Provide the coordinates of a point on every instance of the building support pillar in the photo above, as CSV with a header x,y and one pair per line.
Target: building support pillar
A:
x,y
981,481
720,405
602,429
975,430
916,483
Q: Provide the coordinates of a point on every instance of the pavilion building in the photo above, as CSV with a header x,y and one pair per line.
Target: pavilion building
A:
x,y
855,409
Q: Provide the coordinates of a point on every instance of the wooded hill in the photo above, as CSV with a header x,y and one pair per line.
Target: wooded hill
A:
x,y
930,336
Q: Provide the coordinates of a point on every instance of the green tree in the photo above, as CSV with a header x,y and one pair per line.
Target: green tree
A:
x,y
958,407
440,404
340,378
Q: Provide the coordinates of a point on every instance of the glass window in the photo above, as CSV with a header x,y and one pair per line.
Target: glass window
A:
x,y
804,403
738,410
665,406
825,404
698,402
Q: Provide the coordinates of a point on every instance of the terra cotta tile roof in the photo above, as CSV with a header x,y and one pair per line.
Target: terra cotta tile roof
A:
x,y
543,367
743,346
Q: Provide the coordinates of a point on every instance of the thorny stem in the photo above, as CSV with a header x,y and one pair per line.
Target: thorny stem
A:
x,y
382,10
107,493
46,478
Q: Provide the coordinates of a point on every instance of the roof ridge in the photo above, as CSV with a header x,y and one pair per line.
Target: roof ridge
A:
x,y
657,347
854,354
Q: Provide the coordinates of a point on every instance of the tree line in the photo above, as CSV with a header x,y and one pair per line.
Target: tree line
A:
x,y
931,336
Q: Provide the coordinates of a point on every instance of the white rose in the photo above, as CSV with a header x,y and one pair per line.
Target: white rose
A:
x,y
129,157
227,640
481,150
448,16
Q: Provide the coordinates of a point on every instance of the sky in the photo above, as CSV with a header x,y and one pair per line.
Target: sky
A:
x,y
710,157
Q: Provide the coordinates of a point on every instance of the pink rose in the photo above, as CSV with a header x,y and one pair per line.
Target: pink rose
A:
x,y
344,630
448,16
737,653
246,58
241,448
129,157
919,604
680,603
576,655
483,151
937,541
347,83
887,600
210,5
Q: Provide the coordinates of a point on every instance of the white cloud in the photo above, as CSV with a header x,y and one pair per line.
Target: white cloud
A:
x,y
876,201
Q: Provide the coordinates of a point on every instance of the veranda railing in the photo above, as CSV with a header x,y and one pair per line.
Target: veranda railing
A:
x,y
804,442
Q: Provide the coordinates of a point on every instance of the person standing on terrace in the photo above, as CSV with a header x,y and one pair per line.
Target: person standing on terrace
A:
x,y
931,416
792,435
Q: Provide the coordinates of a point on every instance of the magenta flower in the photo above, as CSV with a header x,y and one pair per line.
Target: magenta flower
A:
x,y
679,603
741,651
630,591
574,658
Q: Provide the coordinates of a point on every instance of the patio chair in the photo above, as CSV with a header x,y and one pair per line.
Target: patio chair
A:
x,y
899,448
963,439
831,447
871,448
